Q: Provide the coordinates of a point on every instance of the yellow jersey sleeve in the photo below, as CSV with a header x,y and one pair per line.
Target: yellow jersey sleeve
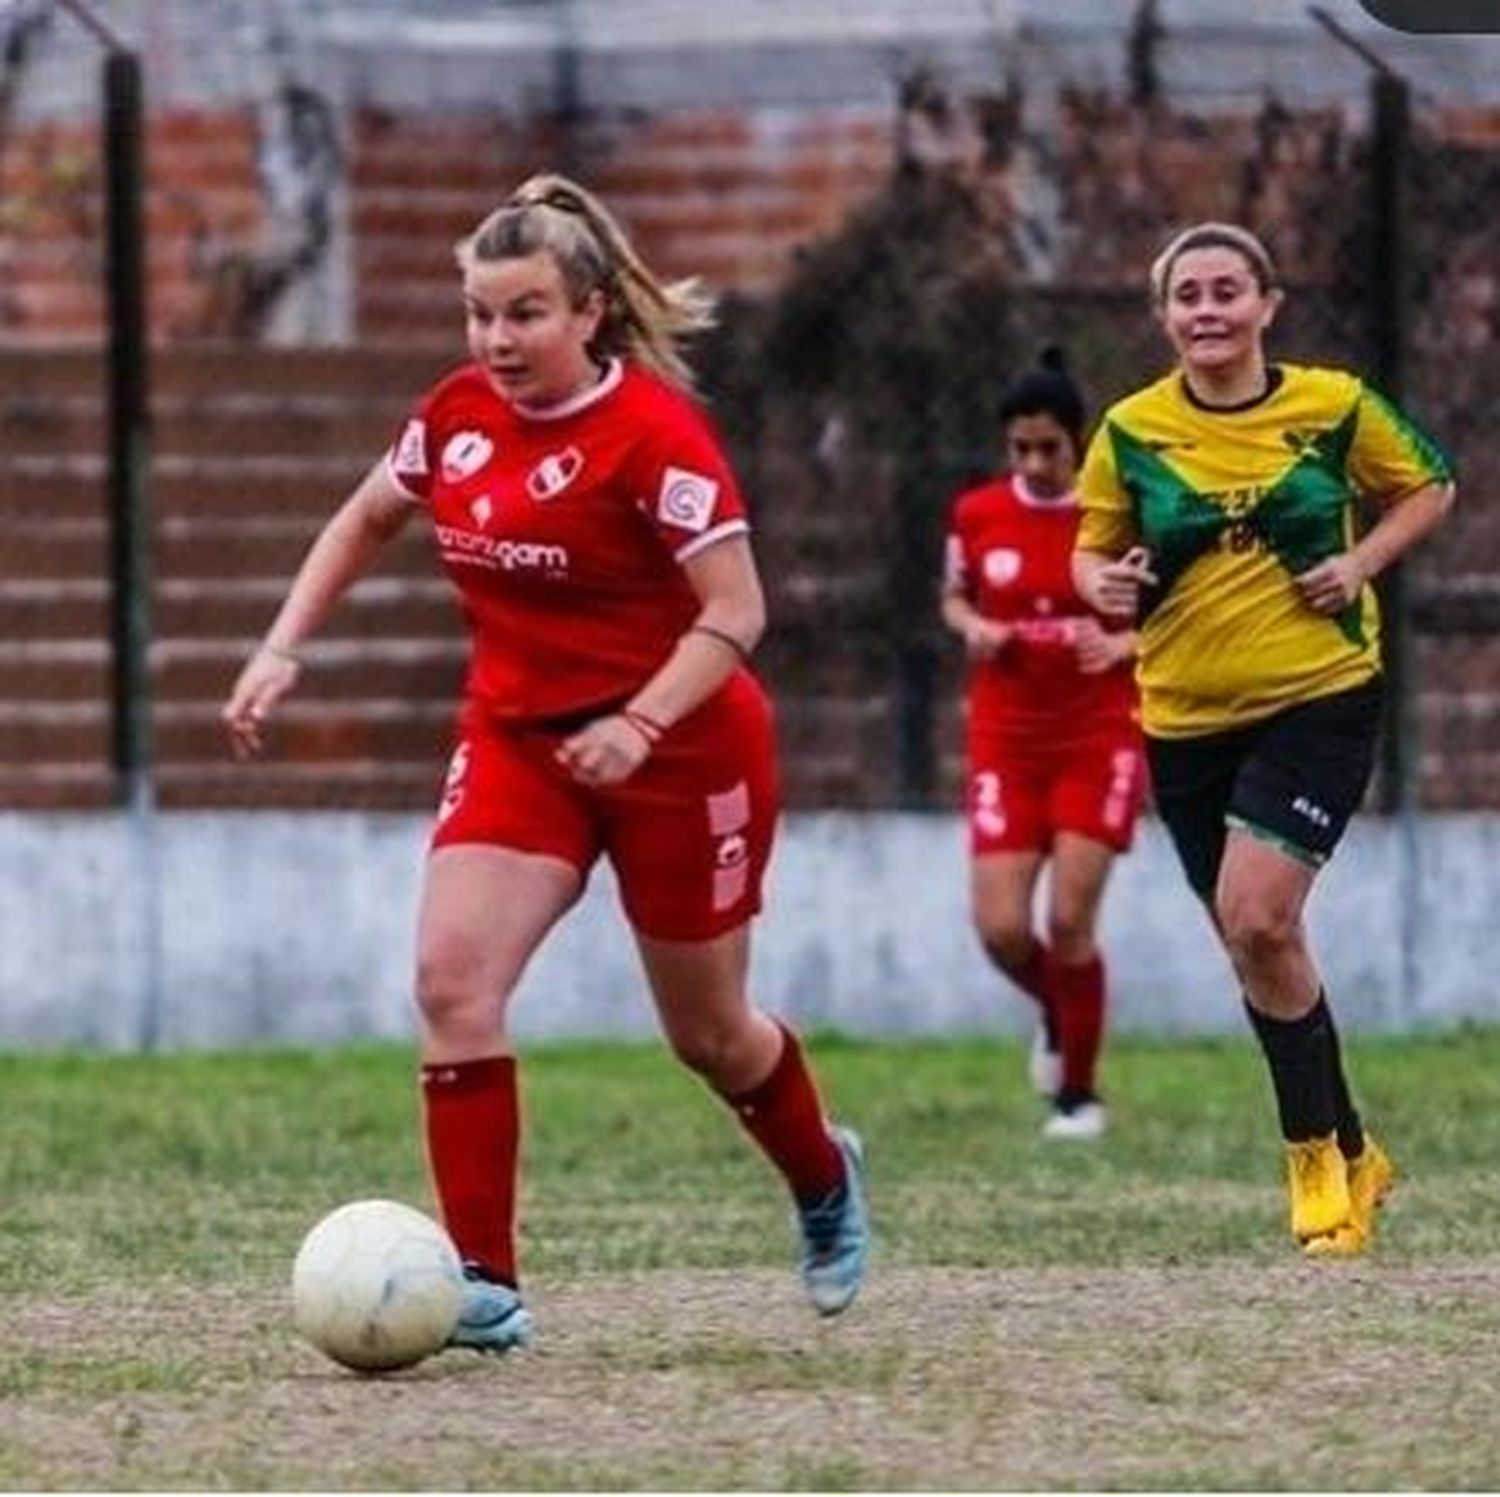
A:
x,y
1390,455
1107,524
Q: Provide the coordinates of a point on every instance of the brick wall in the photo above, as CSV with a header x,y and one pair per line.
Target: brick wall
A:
x,y
254,445
727,196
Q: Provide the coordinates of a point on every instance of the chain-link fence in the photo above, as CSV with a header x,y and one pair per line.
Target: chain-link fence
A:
x,y
896,228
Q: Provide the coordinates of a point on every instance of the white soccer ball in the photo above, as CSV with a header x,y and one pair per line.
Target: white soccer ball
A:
x,y
377,1286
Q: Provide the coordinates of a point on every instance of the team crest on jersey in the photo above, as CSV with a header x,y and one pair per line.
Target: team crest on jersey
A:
x,y
410,457
686,499
464,454
553,474
1001,566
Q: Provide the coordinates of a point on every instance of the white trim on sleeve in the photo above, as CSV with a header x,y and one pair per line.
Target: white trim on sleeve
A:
x,y
721,532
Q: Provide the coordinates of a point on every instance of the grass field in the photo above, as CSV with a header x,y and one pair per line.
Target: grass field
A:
x,y
1130,1315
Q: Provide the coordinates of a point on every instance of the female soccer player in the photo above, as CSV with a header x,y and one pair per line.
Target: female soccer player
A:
x,y
1055,764
1219,501
588,518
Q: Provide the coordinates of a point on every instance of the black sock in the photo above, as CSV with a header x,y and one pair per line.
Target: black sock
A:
x,y
1300,1054
1071,1098
1346,1116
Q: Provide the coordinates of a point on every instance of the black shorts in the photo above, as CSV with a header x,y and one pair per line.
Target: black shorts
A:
x,y
1294,779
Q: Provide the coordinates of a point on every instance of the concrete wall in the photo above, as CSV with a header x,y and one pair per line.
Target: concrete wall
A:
x,y
297,928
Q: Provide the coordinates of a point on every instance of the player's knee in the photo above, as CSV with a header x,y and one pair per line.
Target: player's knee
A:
x,y
1070,933
1007,939
1257,933
714,1051
454,989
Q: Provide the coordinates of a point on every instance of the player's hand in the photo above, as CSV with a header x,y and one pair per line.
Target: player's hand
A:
x,y
609,750
263,682
985,638
1116,589
1095,648
1332,585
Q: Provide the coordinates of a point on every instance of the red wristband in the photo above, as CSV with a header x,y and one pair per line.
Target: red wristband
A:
x,y
645,725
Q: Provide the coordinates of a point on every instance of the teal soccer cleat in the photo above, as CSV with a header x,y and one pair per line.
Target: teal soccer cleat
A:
x,y
836,1233
492,1318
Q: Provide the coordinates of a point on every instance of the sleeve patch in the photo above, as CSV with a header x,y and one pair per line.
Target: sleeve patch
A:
x,y
409,460
686,499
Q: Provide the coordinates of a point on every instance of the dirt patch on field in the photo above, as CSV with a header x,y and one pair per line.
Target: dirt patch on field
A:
x,y
1348,1376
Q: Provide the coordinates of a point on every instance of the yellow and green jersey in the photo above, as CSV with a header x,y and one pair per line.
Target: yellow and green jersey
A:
x,y
1233,504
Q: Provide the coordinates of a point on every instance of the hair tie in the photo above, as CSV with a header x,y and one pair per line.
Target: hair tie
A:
x,y
723,636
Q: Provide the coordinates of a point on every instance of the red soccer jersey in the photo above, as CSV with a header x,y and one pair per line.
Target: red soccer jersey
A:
x,y
564,531
1011,556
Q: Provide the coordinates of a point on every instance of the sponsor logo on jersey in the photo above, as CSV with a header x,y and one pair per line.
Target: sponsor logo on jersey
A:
x,y
1303,443
482,511
553,474
464,454
1044,631
499,554
686,499
410,456
1001,566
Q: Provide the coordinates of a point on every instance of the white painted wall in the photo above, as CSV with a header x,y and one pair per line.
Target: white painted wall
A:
x,y
298,928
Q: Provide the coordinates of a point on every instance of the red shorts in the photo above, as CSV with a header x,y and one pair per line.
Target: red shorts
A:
x,y
1019,800
688,834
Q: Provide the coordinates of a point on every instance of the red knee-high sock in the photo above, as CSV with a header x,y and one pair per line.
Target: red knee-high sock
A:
x,y
1078,1003
473,1120
784,1116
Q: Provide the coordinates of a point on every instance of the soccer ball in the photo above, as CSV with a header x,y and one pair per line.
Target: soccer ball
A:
x,y
376,1286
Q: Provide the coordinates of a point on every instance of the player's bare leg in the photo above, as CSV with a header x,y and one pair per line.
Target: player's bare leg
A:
x,y
1258,906
484,912
757,1065
1002,888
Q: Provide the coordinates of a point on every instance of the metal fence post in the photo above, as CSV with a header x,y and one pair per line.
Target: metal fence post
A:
x,y
130,515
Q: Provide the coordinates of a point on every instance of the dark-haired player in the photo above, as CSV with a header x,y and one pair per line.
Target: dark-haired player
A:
x,y
1055,765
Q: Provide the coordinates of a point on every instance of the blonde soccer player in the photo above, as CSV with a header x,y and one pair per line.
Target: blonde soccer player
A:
x,y
595,534
1219,509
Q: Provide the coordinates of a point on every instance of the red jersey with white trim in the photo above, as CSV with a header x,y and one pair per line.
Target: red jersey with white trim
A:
x,y
1010,555
564,530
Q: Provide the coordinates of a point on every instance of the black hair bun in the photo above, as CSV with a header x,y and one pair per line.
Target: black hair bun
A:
x,y
1053,359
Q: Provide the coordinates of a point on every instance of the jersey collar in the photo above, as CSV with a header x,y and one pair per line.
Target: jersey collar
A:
x,y
1030,497
1275,378
614,372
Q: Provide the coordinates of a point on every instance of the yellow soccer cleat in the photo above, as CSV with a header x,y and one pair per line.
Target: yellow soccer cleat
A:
x,y
1318,1183
1371,1177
